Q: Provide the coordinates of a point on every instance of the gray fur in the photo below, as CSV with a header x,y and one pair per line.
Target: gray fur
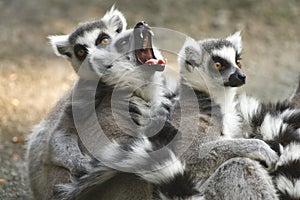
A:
x,y
56,155
57,158
246,117
112,23
226,167
295,98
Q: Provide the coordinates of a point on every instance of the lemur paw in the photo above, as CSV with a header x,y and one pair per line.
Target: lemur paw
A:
x,y
84,166
264,154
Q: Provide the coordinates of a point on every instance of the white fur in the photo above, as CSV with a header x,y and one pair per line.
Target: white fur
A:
x,y
248,106
111,17
165,171
227,53
89,37
236,40
271,126
291,187
57,41
231,119
289,153
289,112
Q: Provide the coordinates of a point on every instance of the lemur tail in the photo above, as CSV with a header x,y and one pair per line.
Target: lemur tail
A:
x,y
279,126
287,174
164,170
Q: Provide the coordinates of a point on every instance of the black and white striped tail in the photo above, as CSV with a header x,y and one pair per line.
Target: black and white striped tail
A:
x,y
165,171
279,126
287,173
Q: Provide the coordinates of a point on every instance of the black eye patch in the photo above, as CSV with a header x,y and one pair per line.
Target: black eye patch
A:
x,y
80,51
224,63
101,37
122,42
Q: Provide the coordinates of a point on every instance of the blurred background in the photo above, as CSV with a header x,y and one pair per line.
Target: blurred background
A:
x,y
32,78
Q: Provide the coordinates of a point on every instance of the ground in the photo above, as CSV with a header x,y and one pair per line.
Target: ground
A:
x,y
32,78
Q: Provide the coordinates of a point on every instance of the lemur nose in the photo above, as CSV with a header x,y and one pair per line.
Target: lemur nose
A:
x,y
237,79
140,24
242,77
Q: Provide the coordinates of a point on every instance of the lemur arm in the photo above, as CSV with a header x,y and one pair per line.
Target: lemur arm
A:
x,y
212,154
65,152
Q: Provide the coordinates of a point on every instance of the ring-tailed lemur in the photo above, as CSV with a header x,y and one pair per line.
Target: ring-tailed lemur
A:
x,y
176,181
123,61
58,157
49,165
213,67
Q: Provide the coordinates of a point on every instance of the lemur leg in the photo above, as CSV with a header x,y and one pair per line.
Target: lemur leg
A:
x,y
239,179
65,152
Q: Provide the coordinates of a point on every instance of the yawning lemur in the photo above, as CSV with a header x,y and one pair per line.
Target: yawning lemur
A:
x,y
125,72
213,68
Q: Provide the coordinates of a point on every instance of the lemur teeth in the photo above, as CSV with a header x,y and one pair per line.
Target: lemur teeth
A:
x,y
141,35
145,43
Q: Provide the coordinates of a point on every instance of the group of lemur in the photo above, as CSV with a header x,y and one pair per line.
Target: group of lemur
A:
x,y
126,130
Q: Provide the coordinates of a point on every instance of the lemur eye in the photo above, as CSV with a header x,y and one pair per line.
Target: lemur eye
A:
x,y
105,41
218,65
102,39
80,51
238,63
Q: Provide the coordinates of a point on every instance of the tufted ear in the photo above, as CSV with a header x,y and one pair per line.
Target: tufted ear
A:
x,y
61,45
115,20
236,40
189,54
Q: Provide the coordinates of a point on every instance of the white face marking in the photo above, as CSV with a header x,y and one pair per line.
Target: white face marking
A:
x,y
236,40
227,53
89,38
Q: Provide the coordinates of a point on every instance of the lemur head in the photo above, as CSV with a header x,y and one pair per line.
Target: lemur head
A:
x,y
213,62
76,45
128,59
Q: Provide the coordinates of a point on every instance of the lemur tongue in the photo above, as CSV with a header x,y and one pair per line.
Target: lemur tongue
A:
x,y
153,61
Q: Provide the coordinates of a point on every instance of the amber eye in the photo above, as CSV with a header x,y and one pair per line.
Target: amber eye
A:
x,y
80,51
238,63
218,65
104,41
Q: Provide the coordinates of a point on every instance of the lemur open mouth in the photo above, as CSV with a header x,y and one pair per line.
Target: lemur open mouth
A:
x,y
143,47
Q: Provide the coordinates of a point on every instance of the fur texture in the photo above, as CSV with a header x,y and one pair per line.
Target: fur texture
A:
x,y
243,116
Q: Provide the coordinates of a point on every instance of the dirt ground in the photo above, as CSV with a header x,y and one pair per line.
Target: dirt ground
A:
x,y
32,78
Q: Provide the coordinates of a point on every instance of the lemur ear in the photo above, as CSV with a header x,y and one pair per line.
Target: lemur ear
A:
x,y
188,54
236,40
60,45
115,20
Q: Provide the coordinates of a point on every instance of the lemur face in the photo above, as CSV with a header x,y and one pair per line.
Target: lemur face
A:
x,y
128,58
216,61
77,45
